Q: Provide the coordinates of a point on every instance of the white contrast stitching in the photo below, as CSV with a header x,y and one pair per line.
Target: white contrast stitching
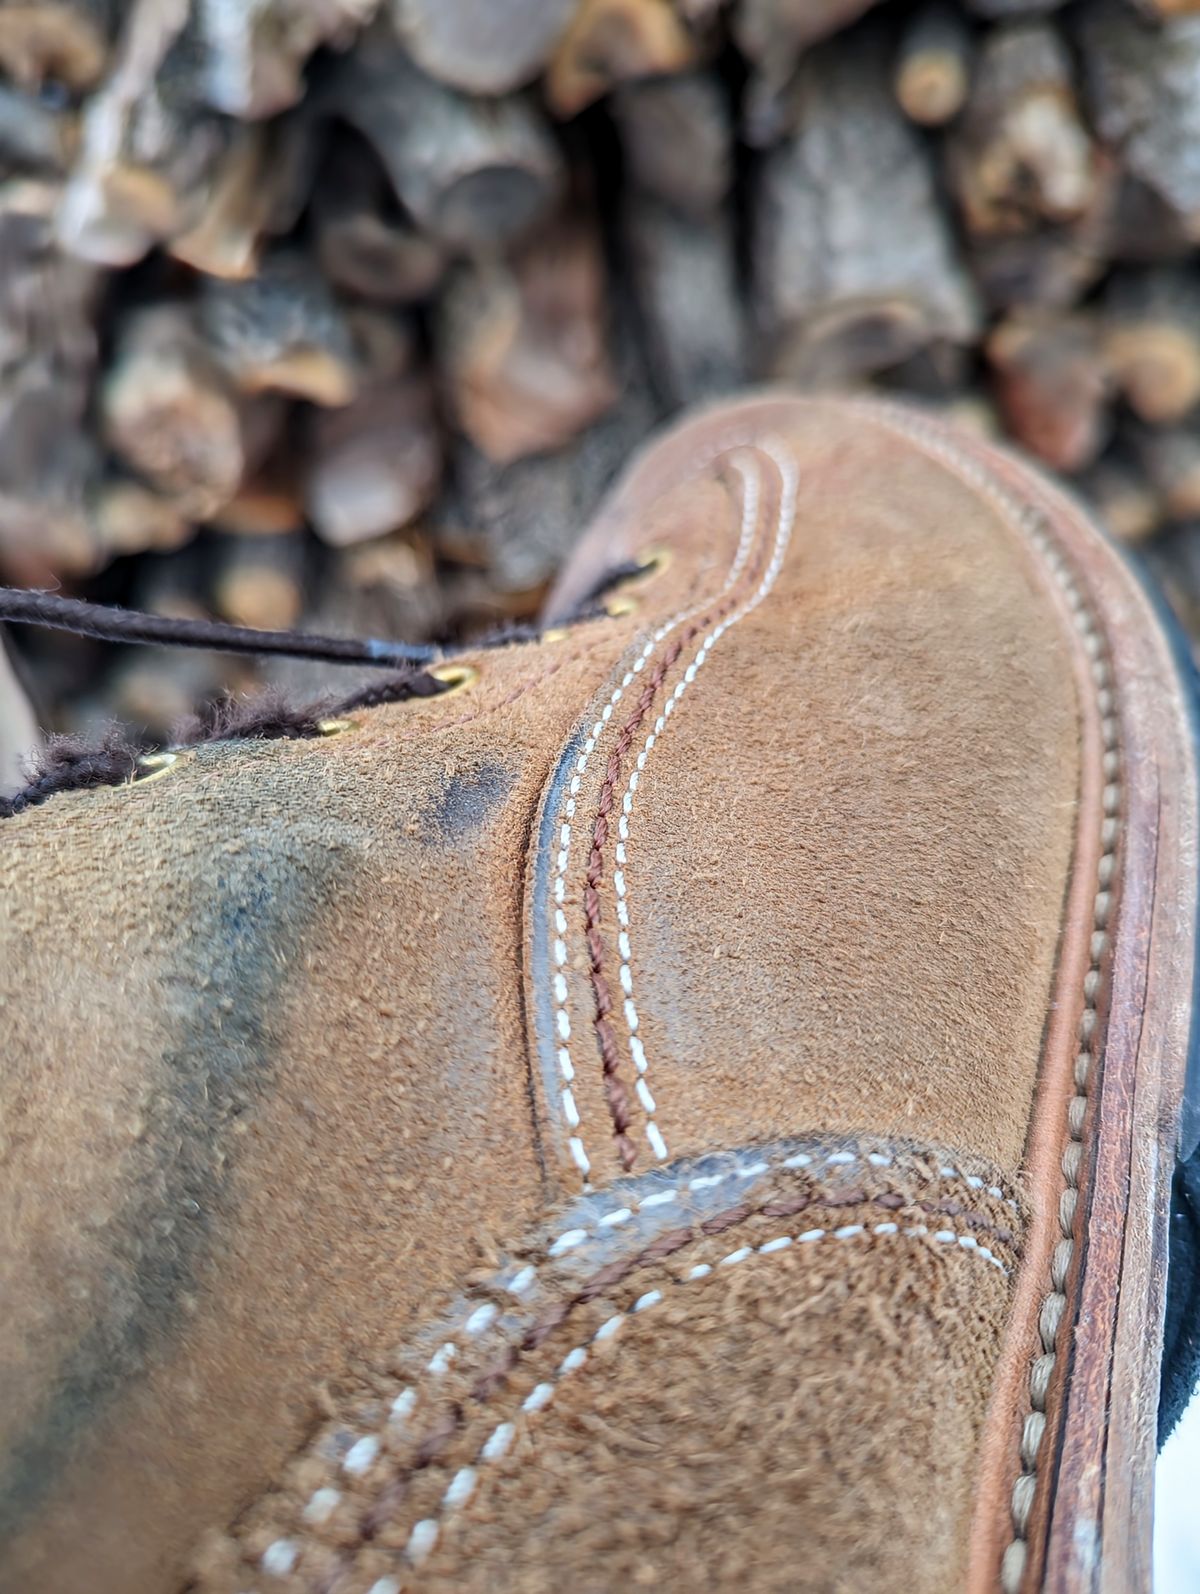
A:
x,y
425,1534
1054,1303
785,463
364,1450
562,1020
569,1239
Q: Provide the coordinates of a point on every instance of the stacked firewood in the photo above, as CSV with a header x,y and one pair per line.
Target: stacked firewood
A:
x,y
345,312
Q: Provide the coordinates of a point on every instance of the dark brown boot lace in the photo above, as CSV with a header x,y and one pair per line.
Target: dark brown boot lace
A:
x,y
413,671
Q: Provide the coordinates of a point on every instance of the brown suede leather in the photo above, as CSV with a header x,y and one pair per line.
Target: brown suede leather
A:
x,y
656,1352
313,1049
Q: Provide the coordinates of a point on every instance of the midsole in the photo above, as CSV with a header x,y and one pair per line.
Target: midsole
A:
x,y
1089,1525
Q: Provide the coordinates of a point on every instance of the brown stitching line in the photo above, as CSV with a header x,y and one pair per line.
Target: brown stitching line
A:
x,y
616,1093
575,1142
1032,521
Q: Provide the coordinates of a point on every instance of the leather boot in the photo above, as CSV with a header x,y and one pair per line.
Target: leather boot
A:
x,y
692,1107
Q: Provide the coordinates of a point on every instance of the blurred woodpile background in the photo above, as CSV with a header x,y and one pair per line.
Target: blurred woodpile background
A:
x,y
344,312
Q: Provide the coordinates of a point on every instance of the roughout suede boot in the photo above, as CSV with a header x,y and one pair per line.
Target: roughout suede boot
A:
x,y
694,1108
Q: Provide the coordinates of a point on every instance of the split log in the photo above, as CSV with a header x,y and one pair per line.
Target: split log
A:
x,y
1139,226
259,581
1152,321
258,189
268,497
48,350
774,34
1143,91
1021,155
149,143
479,46
403,564
520,520
677,140
933,65
376,464
1049,267
616,41
61,41
387,587
169,412
1116,487
1052,386
255,50
281,331
1170,458
470,172
48,465
34,137
386,345
364,243
268,501
226,241
685,281
408,172
48,301
131,518
521,344
855,268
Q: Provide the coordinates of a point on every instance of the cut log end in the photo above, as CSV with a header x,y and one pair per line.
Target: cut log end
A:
x,y
259,581
851,340
933,66
931,88
1158,369
62,41
131,519
615,41
523,346
1052,386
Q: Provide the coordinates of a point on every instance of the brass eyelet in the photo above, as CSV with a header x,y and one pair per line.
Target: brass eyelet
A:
x,y
649,563
155,765
653,561
334,727
556,633
458,677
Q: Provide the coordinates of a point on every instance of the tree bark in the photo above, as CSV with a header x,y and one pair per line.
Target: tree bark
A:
x,y
478,46
933,65
855,267
470,172
1143,90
